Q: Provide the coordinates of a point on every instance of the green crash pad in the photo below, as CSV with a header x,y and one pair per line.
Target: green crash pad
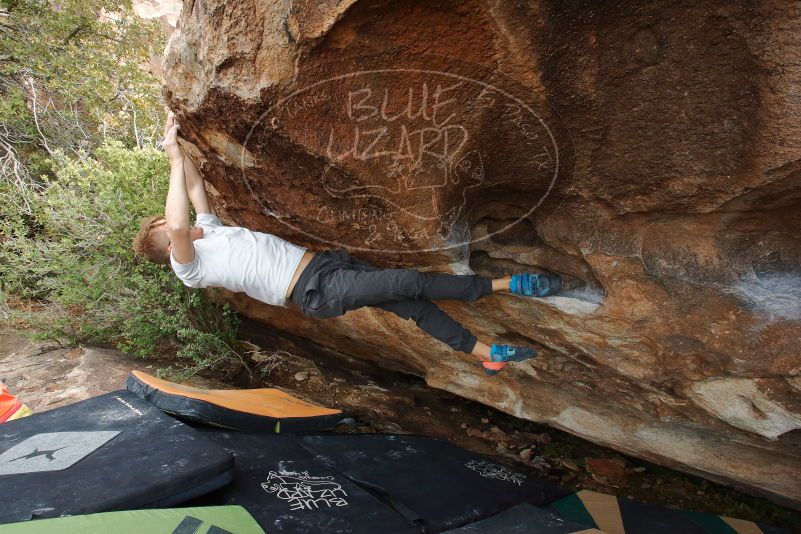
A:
x,y
200,520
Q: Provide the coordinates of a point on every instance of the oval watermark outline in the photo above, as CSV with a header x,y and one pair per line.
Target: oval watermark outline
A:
x,y
485,85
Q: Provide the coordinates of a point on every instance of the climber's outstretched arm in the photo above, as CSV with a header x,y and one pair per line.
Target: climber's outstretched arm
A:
x,y
196,189
176,209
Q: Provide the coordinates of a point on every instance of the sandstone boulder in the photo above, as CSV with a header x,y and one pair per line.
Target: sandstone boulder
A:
x,y
649,152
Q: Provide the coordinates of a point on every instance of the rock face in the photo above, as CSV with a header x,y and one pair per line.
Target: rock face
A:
x,y
648,152
47,374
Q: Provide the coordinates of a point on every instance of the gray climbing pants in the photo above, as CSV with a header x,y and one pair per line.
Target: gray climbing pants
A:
x,y
334,283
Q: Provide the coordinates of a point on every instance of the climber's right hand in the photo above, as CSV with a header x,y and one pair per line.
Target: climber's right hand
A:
x,y
170,143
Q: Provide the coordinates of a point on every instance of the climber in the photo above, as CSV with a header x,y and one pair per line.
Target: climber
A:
x,y
321,284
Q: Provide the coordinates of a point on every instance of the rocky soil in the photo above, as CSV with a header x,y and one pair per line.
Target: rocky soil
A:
x,y
48,374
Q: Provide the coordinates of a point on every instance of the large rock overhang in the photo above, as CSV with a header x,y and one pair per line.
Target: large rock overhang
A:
x,y
650,154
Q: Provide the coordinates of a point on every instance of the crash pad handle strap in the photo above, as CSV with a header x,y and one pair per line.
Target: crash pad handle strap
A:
x,y
401,508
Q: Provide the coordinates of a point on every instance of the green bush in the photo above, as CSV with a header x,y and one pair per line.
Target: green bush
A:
x,y
72,81
71,76
70,250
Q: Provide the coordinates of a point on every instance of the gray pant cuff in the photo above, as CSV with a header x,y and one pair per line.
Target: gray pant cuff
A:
x,y
470,344
487,285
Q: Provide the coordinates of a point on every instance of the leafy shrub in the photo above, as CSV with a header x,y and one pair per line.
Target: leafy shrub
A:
x,y
70,251
72,80
71,74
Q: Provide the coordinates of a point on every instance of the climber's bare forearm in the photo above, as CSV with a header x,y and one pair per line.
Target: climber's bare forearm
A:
x,y
196,188
176,209
176,212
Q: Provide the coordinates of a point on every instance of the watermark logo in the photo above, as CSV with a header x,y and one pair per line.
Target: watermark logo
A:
x,y
490,470
305,492
395,159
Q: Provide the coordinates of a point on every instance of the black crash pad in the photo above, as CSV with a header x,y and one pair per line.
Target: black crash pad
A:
x,y
523,519
112,452
429,481
287,491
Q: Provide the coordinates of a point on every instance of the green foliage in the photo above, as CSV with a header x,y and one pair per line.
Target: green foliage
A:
x,y
79,120
71,76
72,254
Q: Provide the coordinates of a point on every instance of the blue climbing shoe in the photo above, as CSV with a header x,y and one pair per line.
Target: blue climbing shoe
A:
x,y
503,354
535,285
506,353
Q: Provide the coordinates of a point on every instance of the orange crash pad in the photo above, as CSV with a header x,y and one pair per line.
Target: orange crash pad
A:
x,y
259,410
10,406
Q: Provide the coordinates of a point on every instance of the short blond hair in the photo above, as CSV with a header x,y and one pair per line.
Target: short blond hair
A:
x,y
152,245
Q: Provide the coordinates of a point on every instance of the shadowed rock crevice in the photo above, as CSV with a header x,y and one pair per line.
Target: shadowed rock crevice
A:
x,y
506,246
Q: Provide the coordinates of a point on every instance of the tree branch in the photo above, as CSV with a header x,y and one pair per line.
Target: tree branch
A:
x,y
73,33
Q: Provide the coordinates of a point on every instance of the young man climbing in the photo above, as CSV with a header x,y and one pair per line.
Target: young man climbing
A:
x,y
322,284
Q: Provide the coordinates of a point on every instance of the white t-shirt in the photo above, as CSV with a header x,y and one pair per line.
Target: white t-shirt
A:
x,y
241,260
